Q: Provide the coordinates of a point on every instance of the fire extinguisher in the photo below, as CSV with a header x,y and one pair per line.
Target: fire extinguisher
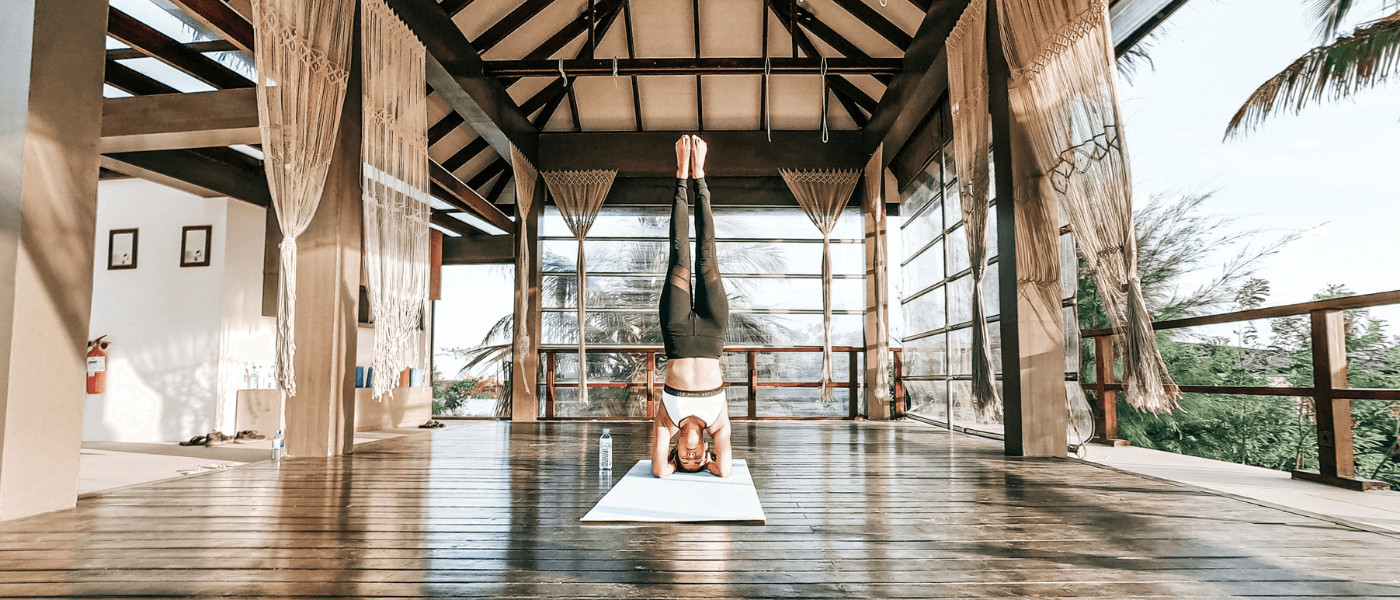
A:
x,y
97,366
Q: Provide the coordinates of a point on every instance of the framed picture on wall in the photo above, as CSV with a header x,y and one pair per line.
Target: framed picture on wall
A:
x,y
121,249
195,241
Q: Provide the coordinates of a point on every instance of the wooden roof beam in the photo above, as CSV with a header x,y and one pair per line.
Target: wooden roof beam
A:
x,y
465,197
876,21
134,82
912,93
155,44
204,168
799,39
217,16
585,67
455,71
171,121
733,153
495,34
201,47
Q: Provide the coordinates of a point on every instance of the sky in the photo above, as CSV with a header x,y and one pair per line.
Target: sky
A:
x,y
1332,172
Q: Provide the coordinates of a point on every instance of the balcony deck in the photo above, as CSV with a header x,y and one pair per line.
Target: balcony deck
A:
x,y
854,509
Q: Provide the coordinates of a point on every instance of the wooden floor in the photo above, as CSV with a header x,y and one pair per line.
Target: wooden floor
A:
x,y
854,510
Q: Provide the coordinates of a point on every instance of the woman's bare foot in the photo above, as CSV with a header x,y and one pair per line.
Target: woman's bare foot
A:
x,y
683,157
698,149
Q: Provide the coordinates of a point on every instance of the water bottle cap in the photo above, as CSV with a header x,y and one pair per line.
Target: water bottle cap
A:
x,y
607,430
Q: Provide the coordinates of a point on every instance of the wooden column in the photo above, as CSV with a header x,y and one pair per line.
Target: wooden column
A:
x,y
877,305
321,417
1032,340
50,125
525,402
1336,447
1106,413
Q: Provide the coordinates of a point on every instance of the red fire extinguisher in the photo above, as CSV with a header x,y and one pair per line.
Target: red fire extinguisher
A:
x,y
97,366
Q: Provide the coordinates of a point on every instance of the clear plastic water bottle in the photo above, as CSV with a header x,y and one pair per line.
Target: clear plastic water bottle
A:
x,y
279,448
605,450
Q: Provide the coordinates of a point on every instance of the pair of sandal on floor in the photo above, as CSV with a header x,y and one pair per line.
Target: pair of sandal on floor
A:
x,y
432,424
215,438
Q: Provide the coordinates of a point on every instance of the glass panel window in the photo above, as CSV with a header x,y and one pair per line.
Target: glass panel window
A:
x,y
926,356
960,351
927,398
919,229
957,251
925,270
926,312
922,190
960,300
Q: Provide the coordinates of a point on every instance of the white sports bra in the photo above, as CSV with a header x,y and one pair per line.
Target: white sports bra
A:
x,y
706,405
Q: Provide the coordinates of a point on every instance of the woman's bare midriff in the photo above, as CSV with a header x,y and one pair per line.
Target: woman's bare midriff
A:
x,y
694,374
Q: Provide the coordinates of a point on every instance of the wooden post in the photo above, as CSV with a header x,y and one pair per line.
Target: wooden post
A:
x,y
1106,411
525,401
853,384
651,385
50,126
1335,444
549,395
877,331
753,384
1028,267
899,408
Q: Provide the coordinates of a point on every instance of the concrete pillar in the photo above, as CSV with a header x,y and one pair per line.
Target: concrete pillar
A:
x,y
321,417
1032,339
50,124
877,302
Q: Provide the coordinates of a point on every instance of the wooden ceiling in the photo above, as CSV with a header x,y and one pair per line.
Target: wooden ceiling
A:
x,y
628,65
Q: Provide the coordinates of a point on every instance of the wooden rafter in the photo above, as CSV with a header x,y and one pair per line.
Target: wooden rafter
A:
x,y
699,87
466,154
465,197
134,82
876,21
216,15
155,44
632,53
693,66
498,32
201,47
800,39
444,126
452,7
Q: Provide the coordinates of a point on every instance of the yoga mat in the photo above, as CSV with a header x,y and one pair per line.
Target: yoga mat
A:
x,y
680,498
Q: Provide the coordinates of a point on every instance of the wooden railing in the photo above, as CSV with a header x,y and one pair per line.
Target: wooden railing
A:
x,y
1330,393
653,386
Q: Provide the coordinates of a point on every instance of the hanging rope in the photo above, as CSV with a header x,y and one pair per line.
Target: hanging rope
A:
x,y
825,93
394,187
767,98
579,196
614,71
525,180
823,195
302,59
561,72
1063,89
967,94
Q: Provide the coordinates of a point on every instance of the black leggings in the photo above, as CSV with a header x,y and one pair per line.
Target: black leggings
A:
x,y
693,327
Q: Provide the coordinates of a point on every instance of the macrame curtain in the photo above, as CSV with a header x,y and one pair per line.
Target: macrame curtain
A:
x,y
302,60
1062,74
579,196
525,176
395,189
967,93
823,195
877,323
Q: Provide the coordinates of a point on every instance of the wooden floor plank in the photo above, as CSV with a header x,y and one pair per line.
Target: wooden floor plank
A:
x,y
490,509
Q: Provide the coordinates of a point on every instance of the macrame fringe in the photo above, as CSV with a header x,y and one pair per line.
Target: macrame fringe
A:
x,y
1061,58
823,196
967,84
877,318
302,57
579,195
394,183
525,177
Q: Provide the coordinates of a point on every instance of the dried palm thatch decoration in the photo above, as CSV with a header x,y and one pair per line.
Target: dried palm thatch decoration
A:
x,y
967,93
1061,57
1366,58
302,59
823,195
579,196
525,178
394,184
877,315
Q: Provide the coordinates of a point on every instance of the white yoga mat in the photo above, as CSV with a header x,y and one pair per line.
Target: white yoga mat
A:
x,y
680,498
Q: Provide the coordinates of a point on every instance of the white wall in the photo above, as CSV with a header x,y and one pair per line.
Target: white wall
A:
x,y
180,336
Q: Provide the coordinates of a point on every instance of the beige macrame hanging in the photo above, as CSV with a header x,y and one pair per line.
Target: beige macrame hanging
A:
x,y
302,59
579,196
823,195
967,94
1063,89
394,186
525,177
877,318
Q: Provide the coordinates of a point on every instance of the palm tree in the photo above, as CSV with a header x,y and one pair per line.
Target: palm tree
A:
x,y
1342,66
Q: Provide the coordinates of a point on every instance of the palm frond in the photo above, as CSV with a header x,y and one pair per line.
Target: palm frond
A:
x,y
1364,59
1329,15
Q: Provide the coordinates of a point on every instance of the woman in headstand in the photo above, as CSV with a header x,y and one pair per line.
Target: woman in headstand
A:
x,y
693,402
